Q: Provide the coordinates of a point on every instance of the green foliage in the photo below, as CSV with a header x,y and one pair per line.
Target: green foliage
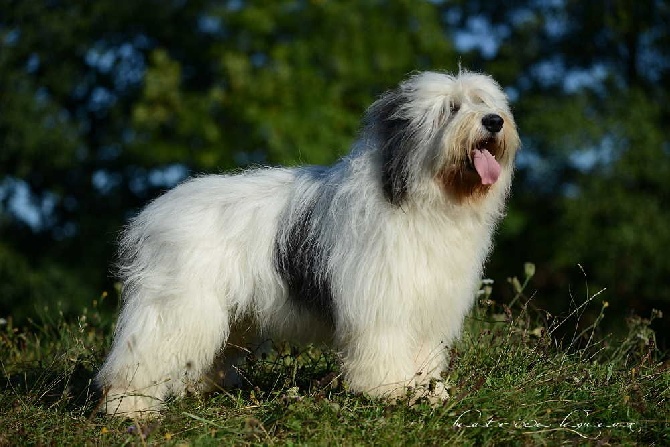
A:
x,y
616,221
100,98
291,81
511,381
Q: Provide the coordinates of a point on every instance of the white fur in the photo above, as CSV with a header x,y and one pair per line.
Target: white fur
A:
x,y
402,270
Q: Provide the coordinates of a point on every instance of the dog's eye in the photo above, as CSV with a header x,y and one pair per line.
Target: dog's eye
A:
x,y
479,100
454,107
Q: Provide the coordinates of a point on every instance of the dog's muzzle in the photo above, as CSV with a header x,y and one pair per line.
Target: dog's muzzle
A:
x,y
483,157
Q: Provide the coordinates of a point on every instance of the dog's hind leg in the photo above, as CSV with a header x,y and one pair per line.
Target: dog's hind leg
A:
x,y
163,345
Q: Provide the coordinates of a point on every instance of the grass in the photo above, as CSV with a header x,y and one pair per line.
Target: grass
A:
x,y
517,376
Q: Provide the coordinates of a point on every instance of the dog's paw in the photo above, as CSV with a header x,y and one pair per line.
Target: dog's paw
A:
x,y
131,406
433,393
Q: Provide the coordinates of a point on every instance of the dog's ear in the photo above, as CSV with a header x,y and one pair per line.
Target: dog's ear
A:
x,y
393,134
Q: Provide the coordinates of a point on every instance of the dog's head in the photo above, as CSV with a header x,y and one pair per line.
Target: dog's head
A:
x,y
456,132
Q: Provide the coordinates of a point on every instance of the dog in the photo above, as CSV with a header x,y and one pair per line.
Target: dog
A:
x,y
379,255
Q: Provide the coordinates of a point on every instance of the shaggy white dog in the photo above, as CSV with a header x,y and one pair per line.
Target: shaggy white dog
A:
x,y
380,254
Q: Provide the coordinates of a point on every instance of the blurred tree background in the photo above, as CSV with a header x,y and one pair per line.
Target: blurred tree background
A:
x,y
105,104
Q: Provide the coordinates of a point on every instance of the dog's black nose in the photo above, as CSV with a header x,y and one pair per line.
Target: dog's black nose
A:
x,y
493,122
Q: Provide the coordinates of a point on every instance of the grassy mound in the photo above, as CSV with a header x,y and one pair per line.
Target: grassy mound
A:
x,y
517,376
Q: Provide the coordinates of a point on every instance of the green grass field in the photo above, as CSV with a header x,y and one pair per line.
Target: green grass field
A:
x,y
512,380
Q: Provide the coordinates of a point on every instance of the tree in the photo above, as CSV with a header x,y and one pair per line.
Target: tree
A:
x,y
592,82
105,104
111,103
69,73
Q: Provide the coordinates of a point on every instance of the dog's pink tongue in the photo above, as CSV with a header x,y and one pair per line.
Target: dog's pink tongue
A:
x,y
486,165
